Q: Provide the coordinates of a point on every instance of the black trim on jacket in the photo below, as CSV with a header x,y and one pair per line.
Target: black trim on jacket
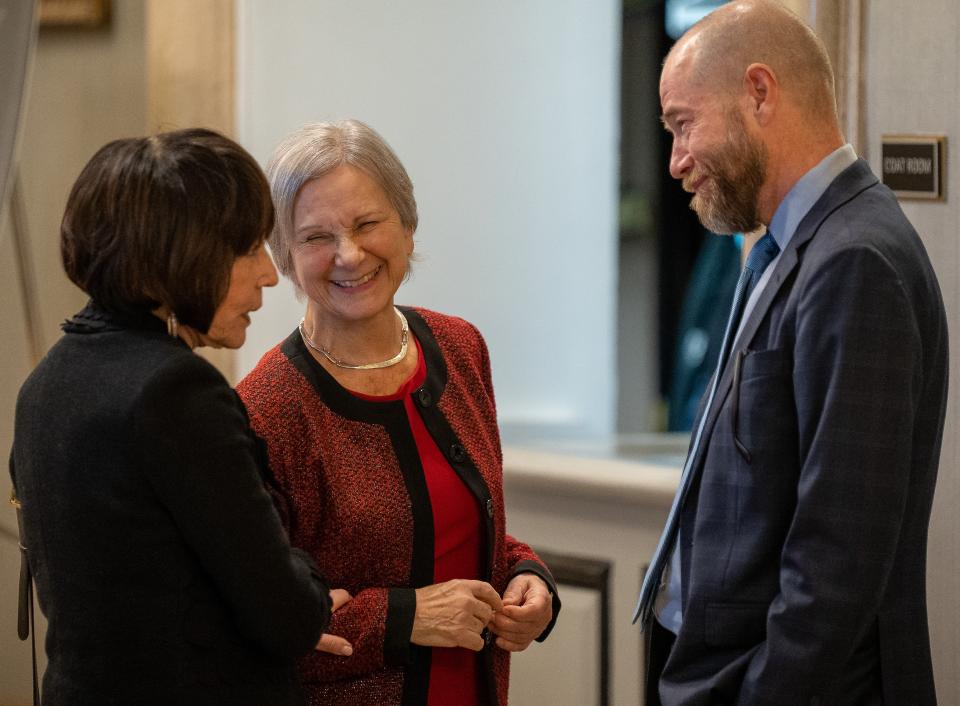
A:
x,y
398,651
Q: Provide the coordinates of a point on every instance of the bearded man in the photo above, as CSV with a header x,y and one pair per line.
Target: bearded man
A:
x,y
792,567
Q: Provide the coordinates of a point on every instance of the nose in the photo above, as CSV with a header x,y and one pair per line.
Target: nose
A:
x,y
268,273
680,161
349,252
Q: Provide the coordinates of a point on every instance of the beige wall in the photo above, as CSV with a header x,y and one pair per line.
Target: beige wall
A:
x,y
87,88
190,82
801,7
912,85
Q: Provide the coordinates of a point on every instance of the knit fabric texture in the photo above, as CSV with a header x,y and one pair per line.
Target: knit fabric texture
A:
x,y
353,478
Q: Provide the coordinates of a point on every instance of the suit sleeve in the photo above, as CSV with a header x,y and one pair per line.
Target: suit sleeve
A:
x,y
199,456
857,379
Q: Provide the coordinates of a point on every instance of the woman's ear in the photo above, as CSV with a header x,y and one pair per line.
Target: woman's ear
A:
x,y
763,91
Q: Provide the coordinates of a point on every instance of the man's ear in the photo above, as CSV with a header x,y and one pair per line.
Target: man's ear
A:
x,y
763,91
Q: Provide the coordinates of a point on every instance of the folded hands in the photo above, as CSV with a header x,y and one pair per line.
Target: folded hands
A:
x,y
456,613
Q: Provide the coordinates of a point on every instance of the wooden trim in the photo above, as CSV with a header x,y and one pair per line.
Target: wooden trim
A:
x,y
592,574
841,25
190,64
853,77
191,79
28,281
85,14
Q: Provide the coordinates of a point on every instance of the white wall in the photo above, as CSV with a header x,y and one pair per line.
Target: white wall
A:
x,y
505,115
912,86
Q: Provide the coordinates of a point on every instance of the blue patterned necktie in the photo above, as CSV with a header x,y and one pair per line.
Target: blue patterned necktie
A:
x,y
761,255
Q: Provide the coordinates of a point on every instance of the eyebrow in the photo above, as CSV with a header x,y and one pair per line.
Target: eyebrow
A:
x,y
672,115
311,229
669,115
372,213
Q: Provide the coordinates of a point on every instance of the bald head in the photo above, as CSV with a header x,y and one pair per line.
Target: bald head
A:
x,y
719,48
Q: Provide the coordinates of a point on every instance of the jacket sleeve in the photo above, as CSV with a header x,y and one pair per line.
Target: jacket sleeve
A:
x,y
378,623
199,456
525,561
857,379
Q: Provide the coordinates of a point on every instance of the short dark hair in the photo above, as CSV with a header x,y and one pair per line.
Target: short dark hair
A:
x,y
160,220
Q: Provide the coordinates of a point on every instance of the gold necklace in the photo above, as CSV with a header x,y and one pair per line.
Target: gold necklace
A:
x,y
363,366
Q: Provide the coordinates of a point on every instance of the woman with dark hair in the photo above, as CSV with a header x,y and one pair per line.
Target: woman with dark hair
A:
x,y
159,558
381,426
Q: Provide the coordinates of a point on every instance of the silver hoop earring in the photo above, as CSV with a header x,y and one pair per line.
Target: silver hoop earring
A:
x,y
173,326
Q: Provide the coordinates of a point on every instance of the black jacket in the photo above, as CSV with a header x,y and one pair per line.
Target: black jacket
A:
x,y
159,559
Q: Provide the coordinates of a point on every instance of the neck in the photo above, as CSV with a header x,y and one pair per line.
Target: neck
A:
x,y
354,341
793,153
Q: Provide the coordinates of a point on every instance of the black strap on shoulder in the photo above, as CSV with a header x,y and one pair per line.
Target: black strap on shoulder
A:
x,y
25,623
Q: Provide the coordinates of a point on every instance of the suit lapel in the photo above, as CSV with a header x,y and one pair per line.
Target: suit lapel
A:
x,y
851,182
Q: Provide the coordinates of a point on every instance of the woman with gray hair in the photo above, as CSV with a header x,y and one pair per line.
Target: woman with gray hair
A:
x,y
381,427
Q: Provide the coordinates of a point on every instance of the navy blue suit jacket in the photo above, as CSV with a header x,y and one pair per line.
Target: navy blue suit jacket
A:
x,y
804,554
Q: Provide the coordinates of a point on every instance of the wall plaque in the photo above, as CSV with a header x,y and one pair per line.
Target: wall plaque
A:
x,y
912,165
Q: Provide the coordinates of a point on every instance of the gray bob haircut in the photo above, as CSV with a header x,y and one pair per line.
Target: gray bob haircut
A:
x,y
317,149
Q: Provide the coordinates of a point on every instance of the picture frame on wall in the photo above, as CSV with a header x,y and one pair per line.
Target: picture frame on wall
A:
x,y
74,13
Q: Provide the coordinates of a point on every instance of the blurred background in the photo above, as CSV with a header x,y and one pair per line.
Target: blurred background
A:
x,y
531,132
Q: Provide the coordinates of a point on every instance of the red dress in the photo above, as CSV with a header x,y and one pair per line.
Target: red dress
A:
x,y
457,531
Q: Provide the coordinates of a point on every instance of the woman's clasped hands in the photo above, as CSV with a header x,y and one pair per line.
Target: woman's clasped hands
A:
x,y
456,613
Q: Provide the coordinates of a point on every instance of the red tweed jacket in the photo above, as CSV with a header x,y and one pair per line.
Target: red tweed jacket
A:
x,y
359,502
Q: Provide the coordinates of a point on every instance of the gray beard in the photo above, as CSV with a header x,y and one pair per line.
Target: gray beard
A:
x,y
726,213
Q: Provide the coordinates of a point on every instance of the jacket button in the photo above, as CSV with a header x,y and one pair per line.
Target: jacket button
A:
x,y
457,453
424,397
489,508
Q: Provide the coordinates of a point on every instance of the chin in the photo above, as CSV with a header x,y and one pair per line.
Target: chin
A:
x,y
235,342
231,342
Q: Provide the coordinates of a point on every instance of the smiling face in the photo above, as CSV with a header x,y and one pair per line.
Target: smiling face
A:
x,y
719,161
350,251
250,274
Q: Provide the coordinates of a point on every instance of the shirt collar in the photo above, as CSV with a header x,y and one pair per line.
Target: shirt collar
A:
x,y
806,192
